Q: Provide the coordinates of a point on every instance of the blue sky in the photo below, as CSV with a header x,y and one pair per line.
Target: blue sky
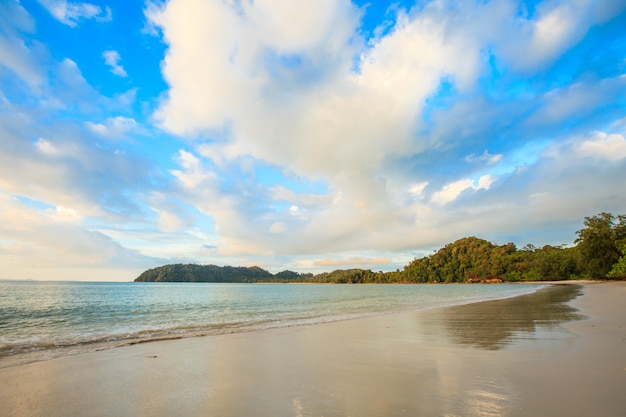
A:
x,y
307,135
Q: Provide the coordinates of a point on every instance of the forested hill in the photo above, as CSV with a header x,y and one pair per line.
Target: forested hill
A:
x,y
205,273
600,253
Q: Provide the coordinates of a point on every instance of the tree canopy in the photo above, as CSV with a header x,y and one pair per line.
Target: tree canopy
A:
x,y
600,243
619,269
600,252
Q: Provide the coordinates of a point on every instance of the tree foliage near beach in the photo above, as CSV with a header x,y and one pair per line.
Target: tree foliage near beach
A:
x,y
600,243
619,269
477,260
600,252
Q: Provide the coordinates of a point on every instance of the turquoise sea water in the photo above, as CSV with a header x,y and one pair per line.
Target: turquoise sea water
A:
x,y
41,320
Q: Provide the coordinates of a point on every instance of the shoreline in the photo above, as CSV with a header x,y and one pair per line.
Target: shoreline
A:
x,y
482,359
50,351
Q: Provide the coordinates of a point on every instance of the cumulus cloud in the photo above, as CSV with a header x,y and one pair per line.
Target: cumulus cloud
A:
x,y
610,147
236,71
112,59
71,13
59,188
66,169
53,240
233,80
568,180
452,191
266,88
295,135
193,172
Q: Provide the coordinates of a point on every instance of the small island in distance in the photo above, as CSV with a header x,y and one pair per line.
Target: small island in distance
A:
x,y
599,253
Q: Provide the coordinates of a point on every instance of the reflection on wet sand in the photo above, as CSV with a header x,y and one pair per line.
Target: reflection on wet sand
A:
x,y
495,324
445,362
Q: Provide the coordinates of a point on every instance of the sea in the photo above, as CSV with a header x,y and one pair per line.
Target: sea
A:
x,y
43,320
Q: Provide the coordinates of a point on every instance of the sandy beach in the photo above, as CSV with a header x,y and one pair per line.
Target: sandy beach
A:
x,y
558,352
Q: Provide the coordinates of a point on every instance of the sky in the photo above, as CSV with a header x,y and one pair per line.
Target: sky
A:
x,y
307,135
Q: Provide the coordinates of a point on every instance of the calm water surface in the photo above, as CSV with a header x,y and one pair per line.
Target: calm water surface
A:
x,y
40,320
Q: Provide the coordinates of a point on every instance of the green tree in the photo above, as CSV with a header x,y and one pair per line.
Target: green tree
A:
x,y
600,243
553,263
619,269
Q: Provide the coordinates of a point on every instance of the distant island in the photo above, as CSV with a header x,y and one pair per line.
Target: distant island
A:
x,y
599,253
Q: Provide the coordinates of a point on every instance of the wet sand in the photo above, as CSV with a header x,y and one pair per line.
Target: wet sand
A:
x,y
557,352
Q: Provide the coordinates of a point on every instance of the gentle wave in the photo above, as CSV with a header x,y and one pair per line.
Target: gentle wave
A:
x,y
40,321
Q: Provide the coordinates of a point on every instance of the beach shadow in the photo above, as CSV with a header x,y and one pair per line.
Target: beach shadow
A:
x,y
492,325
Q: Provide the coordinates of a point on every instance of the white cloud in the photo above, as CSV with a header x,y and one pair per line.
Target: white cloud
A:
x,y
452,191
15,56
485,158
16,19
46,147
259,82
112,59
554,31
14,53
97,128
168,221
193,172
236,77
485,182
554,28
66,168
295,87
610,147
65,214
350,261
278,227
114,127
54,178
230,77
71,13
45,241
417,190
619,125
291,27
576,100
303,201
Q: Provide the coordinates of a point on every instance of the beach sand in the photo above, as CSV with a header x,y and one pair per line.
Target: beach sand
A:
x,y
552,353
